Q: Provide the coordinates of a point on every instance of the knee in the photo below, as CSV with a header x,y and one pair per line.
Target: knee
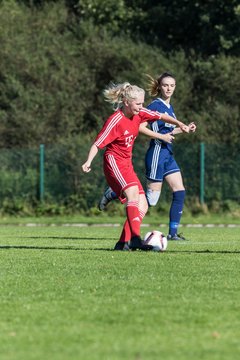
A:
x,y
132,193
177,188
152,197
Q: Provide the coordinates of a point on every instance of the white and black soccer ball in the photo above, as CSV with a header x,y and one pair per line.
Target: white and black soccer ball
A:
x,y
157,240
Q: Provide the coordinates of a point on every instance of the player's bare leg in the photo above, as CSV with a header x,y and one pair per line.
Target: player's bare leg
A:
x,y
153,192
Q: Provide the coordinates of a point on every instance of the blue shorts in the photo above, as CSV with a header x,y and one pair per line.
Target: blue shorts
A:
x,y
159,163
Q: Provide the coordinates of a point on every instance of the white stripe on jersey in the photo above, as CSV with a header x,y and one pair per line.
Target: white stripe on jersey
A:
x,y
155,126
150,112
154,163
116,171
110,126
156,129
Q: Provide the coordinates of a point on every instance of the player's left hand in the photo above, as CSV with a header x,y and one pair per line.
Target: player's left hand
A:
x,y
184,127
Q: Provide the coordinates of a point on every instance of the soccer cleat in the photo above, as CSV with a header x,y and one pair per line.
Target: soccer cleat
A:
x,y
136,243
106,198
122,246
176,237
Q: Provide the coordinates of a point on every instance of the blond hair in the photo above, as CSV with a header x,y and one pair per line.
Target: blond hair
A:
x,y
117,93
154,85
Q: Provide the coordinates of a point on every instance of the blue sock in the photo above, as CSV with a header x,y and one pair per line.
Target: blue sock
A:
x,y
110,194
113,195
176,211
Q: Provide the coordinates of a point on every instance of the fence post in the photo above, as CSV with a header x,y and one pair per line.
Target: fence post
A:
x,y
202,171
41,172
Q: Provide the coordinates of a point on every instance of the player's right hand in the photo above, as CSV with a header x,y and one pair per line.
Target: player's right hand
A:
x,y
86,167
167,138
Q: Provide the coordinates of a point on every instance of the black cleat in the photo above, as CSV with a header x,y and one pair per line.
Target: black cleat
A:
x,y
176,237
122,246
136,243
105,199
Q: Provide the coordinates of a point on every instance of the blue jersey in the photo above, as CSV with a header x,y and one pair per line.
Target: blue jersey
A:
x,y
159,125
159,160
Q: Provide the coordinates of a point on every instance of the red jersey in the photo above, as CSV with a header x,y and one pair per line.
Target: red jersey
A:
x,y
119,132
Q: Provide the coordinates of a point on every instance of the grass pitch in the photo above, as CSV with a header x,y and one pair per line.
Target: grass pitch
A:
x,y
66,295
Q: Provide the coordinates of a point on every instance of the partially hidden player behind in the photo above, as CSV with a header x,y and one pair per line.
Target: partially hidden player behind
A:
x,y
159,161
117,136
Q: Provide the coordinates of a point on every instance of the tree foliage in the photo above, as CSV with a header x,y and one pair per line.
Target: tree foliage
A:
x,y
57,57
205,27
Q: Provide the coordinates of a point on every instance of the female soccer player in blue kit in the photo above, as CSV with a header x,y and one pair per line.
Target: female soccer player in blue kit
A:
x,y
160,163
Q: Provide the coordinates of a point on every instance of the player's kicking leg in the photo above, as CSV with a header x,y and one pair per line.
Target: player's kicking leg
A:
x,y
108,196
127,241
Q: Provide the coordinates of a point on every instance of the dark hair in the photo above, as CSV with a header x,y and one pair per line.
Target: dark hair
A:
x,y
164,75
154,84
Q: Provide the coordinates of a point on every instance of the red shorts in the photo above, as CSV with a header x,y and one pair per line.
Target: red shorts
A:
x,y
120,175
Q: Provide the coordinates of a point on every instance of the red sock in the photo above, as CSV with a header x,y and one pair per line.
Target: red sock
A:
x,y
133,217
126,232
132,224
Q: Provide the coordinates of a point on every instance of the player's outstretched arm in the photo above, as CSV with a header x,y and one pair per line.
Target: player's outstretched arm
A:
x,y
171,120
155,135
86,167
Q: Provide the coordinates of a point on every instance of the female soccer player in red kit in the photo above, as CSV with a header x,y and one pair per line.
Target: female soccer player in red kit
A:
x,y
117,136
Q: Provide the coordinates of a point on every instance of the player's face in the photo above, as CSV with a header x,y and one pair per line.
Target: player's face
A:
x,y
134,106
167,87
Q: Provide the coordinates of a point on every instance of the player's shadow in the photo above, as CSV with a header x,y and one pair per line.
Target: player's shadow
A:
x,y
204,252
61,238
65,248
71,248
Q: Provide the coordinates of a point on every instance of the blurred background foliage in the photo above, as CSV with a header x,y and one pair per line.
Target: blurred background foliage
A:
x,y
58,56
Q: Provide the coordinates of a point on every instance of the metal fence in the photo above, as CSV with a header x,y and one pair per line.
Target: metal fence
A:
x,y
53,174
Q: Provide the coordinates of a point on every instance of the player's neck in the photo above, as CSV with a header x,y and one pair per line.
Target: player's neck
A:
x,y
127,113
166,100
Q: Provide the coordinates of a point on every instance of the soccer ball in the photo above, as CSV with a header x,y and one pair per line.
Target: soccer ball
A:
x,y
157,240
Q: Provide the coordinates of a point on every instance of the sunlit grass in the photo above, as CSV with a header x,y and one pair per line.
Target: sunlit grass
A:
x,y
66,295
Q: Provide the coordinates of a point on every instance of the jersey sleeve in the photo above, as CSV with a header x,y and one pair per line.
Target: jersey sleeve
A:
x,y
149,115
155,106
109,132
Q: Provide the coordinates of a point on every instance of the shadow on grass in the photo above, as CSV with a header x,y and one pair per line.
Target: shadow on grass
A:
x,y
172,252
205,251
34,247
25,247
60,238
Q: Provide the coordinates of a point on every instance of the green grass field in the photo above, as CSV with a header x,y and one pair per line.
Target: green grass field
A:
x,y
66,295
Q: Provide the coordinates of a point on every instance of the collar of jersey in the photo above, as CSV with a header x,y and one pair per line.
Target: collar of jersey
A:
x,y
168,105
